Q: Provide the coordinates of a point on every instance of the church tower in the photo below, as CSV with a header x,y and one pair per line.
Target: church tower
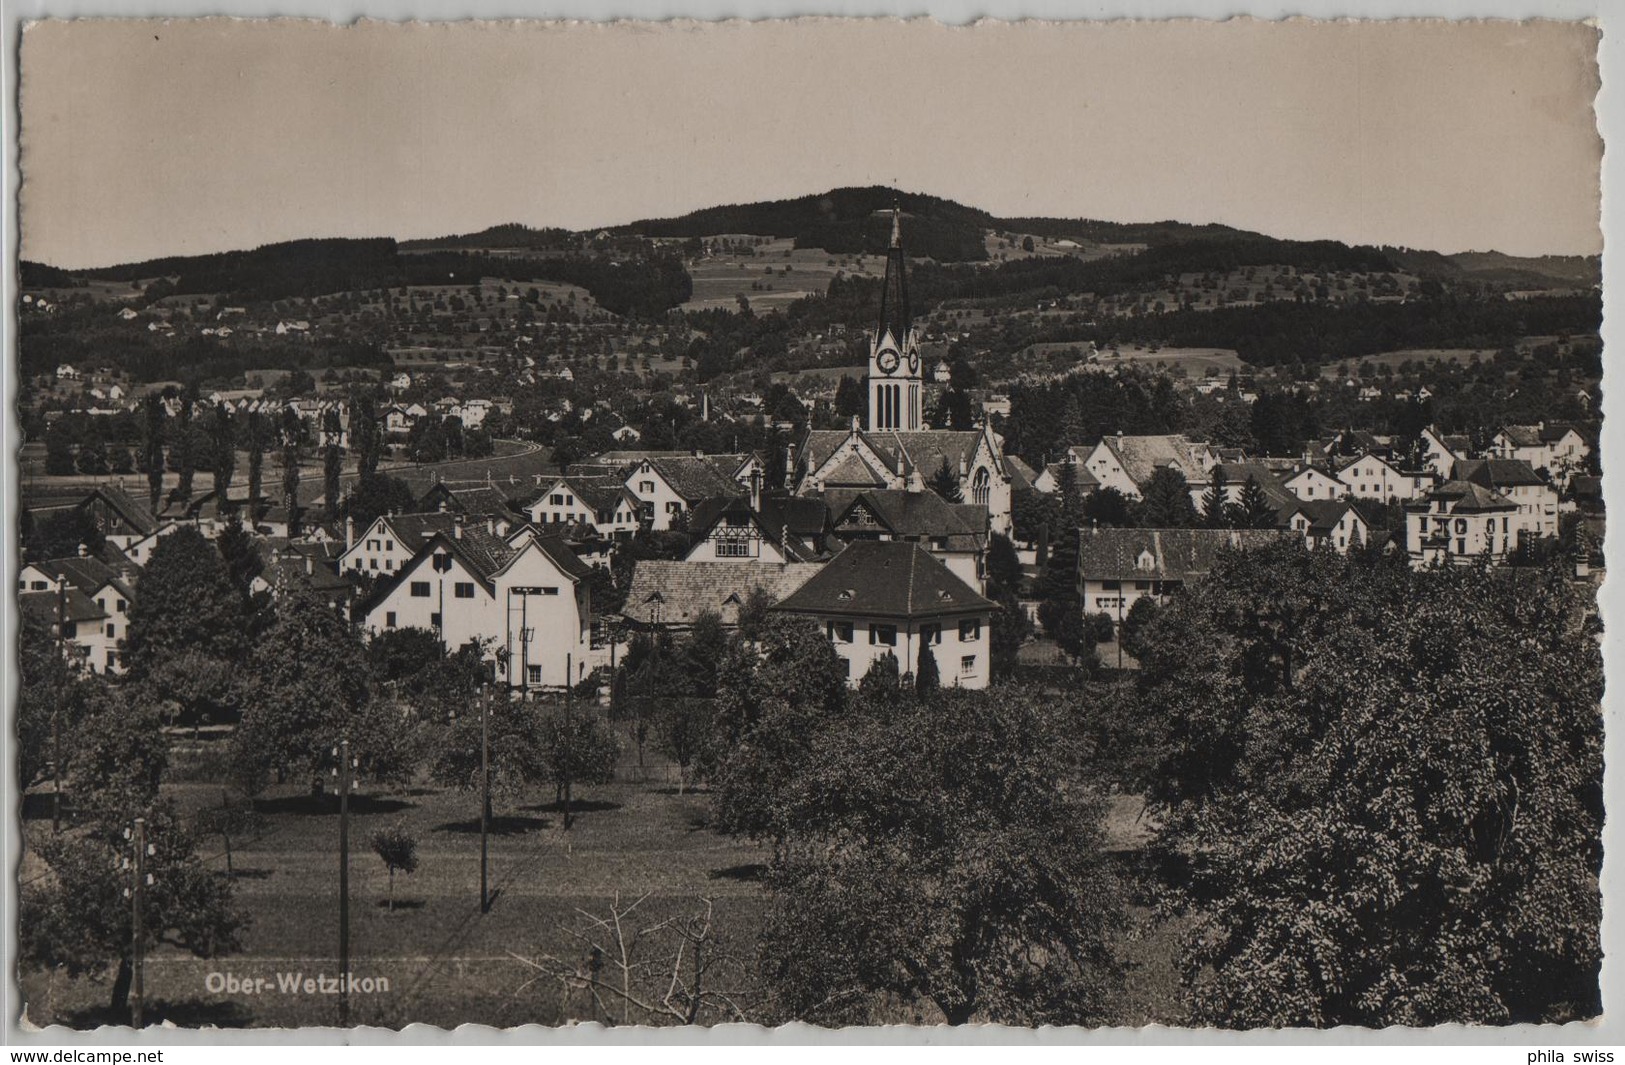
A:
x,y
896,388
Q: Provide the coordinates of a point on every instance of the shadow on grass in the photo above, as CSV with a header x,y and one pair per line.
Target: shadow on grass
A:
x,y
750,871
577,807
502,825
328,805
692,789
180,1014
242,873
401,904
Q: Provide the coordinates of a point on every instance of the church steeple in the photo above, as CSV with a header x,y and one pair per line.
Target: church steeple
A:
x,y
894,312
896,389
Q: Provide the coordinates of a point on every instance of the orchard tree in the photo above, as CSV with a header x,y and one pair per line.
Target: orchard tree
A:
x,y
397,849
945,858
304,688
1384,789
187,604
79,918
578,747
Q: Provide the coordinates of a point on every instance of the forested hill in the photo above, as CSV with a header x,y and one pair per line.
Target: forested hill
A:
x,y
842,221
643,280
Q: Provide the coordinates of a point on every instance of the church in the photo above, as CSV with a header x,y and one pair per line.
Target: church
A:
x,y
896,449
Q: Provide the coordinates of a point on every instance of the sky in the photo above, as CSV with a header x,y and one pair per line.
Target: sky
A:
x,y
142,139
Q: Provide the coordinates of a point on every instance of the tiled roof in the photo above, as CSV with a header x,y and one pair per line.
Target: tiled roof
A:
x,y
677,593
482,500
885,579
412,531
1021,475
1237,473
1464,497
1174,554
44,607
1522,435
914,515
695,477
553,547
1141,456
1499,474
134,513
925,449
855,471
792,522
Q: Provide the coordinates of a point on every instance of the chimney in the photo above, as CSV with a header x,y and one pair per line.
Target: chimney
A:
x,y
756,490
457,527
310,566
349,533
442,503
83,550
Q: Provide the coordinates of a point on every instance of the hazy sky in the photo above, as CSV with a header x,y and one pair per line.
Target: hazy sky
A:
x,y
142,139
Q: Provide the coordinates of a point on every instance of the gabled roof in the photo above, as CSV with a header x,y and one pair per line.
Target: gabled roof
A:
x,y
557,551
914,515
854,471
481,500
925,450
1324,514
1174,554
695,477
1142,456
412,531
1499,474
795,524
82,571
1522,435
600,493
677,593
132,512
885,579
1238,473
1021,475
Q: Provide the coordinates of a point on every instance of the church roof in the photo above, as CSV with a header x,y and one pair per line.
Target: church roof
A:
x,y
887,579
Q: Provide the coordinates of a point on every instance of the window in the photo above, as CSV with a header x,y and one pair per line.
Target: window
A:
x,y
389,564
970,630
674,508
840,631
1110,586
733,548
1461,546
389,620
389,545
112,659
420,589
557,500
931,634
39,586
646,488
123,607
884,635
967,665
464,590
111,632
372,563
102,603
434,619
533,674
372,545
550,590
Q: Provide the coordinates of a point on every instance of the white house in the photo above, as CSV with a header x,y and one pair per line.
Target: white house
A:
x,y
1460,523
1333,523
1119,567
603,503
1535,497
1560,450
878,597
1442,451
1372,477
1127,463
1311,483
529,600
391,541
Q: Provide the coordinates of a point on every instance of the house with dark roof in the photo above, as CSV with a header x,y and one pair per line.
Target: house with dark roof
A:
x,y
761,527
1334,523
956,534
1441,451
603,504
669,595
391,541
1460,523
528,598
1559,449
482,501
1535,496
881,597
118,515
1119,567
78,621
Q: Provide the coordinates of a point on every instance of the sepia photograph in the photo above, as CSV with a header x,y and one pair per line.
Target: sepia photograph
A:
x,y
844,521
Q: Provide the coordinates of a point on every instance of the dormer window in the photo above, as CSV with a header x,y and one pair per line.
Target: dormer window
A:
x,y
1146,561
846,595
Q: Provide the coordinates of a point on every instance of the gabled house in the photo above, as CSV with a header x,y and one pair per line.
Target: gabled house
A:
x,y
878,597
105,588
1371,476
78,622
603,504
1310,482
956,534
1558,449
1127,463
118,515
1443,450
530,601
761,528
1333,523
391,541
1119,567
481,502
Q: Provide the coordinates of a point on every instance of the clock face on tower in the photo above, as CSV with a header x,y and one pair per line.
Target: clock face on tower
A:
x,y
913,363
887,361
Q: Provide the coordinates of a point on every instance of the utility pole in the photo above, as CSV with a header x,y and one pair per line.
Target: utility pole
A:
x,y
137,922
56,710
343,771
569,735
485,794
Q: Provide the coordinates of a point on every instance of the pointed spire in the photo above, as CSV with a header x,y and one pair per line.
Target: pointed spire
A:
x,y
896,226
894,309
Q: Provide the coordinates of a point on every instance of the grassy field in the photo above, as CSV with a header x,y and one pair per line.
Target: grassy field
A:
x,y
513,467
719,281
447,964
